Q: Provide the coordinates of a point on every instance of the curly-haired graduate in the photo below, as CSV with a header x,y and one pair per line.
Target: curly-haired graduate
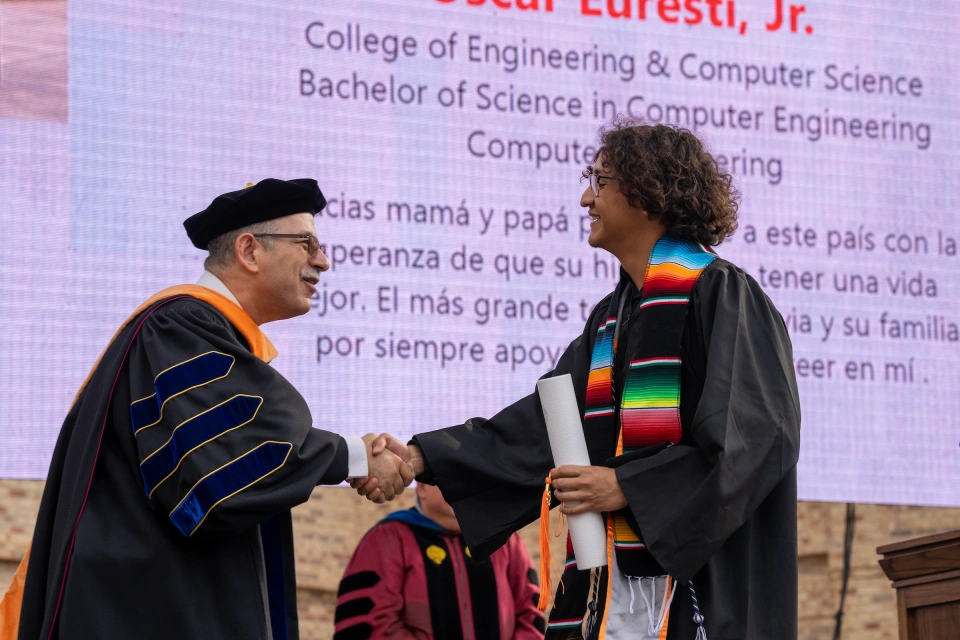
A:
x,y
685,382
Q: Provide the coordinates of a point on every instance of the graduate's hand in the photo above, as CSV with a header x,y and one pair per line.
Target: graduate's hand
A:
x,y
388,474
409,453
594,488
373,485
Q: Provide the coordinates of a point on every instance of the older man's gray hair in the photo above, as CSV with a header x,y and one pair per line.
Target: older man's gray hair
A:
x,y
221,249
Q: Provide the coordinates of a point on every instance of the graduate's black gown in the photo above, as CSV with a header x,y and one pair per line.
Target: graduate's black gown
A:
x,y
231,449
719,508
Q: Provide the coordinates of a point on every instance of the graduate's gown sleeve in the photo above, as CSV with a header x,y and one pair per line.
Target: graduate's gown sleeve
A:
x,y
222,440
743,439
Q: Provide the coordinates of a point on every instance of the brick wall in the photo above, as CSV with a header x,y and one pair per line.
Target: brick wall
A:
x,y
329,526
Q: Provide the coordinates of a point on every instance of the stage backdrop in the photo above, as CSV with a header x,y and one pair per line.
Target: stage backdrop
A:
x,y
449,138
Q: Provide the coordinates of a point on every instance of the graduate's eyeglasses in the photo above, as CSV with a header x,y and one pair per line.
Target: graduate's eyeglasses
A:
x,y
312,245
595,178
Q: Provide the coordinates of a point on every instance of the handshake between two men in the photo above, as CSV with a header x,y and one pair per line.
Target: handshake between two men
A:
x,y
391,467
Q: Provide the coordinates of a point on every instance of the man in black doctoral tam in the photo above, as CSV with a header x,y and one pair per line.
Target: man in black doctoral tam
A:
x,y
166,512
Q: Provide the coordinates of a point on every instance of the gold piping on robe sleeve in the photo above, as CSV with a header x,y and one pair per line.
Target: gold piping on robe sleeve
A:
x,y
184,456
180,393
218,502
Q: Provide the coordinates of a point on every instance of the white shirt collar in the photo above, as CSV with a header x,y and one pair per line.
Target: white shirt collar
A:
x,y
214,283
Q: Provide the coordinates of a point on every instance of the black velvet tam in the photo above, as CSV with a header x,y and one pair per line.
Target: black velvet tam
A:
x,y
266,200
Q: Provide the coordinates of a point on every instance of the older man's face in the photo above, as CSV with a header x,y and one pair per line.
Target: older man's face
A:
x,y
290,273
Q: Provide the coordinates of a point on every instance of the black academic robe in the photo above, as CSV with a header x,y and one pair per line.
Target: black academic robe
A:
x,y
178,408
719,508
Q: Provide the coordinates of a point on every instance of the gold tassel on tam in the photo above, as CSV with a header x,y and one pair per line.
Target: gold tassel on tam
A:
x,y
546,558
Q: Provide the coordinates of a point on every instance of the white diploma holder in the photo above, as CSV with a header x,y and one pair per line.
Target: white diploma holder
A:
x,y
565,431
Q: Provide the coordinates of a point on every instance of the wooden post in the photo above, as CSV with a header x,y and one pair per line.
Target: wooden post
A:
x,y
926,574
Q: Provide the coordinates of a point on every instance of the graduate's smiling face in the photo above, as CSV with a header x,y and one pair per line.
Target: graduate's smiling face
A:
x,y
615,225
288,273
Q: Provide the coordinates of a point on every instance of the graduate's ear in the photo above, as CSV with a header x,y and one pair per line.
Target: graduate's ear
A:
x,y
655,221
247,250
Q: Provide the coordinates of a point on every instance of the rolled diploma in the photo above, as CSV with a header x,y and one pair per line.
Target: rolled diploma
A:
x,y
565,431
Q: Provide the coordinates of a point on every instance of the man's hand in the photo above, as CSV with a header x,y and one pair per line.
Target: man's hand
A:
x,y
411,453
587,489
387,452
412,466
388,473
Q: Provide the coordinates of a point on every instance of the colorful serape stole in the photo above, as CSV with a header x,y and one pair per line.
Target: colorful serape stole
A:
x,y
649,414
650,406
600,380
650,411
